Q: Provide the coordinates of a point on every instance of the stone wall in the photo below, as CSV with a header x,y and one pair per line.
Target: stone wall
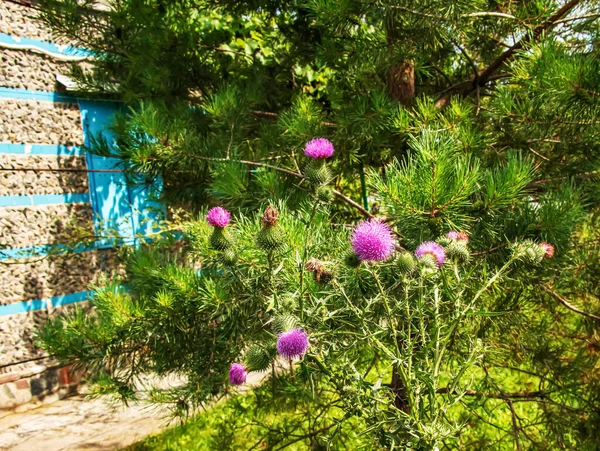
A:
x,y
23,180
44,224
28,70
26,373
39,278
34,122
21,21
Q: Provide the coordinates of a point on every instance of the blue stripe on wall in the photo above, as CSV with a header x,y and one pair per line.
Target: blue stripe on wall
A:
x,y
40,149
44,96
43,199
23,307
43,250
41,304
44,46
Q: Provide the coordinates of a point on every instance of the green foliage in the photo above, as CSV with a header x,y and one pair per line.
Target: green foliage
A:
x,y
455,129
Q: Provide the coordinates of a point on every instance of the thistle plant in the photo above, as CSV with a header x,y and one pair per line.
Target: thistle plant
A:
x,y
470,126
393,332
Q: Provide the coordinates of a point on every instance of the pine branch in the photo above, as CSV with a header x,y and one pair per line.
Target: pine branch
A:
x,y
570,306
468,86
342,196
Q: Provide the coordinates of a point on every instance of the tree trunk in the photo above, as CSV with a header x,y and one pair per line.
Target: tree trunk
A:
x,y
401,82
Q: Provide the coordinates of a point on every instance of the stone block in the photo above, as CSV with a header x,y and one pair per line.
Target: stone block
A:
x,y
22,384
11,377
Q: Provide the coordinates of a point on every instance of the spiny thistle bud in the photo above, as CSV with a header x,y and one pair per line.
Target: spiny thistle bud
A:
x,y
221,239
228,257
373,240
237,374
317,172
324,194
458,250
270,236
431,250
529,252
284,323
292,344
406,263
351,260
287,303
258,358
316,266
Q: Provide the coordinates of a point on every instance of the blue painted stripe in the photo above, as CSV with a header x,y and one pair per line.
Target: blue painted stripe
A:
x,y
59,301
40,149
43,250
43,199
44,96
41,304
44,46
23,307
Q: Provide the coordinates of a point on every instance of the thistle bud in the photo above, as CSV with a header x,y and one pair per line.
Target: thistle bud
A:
x,y
352,260
324,194
529,252
221,239
406,263
271,236
317,172
321,272
284,323
258,358
228,257
458,250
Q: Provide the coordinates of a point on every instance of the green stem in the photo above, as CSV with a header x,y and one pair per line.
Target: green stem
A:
x,y
363,187
304,257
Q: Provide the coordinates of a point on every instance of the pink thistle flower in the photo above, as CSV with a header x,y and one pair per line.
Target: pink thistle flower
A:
x,y
548,248
218,217
293,343
373,240
319,148
237,374
431,248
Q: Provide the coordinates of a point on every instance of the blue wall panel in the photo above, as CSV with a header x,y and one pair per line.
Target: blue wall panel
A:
x,y
108,191
119,210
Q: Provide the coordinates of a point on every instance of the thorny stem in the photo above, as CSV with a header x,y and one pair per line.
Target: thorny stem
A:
x,y
305,256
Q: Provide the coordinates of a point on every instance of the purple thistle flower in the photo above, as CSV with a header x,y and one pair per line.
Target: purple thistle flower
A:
x,y
373,240
292,343
237,374
452,235
218,217
319,148
431,248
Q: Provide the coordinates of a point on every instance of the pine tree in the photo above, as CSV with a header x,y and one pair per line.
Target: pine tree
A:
x,y
468,125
